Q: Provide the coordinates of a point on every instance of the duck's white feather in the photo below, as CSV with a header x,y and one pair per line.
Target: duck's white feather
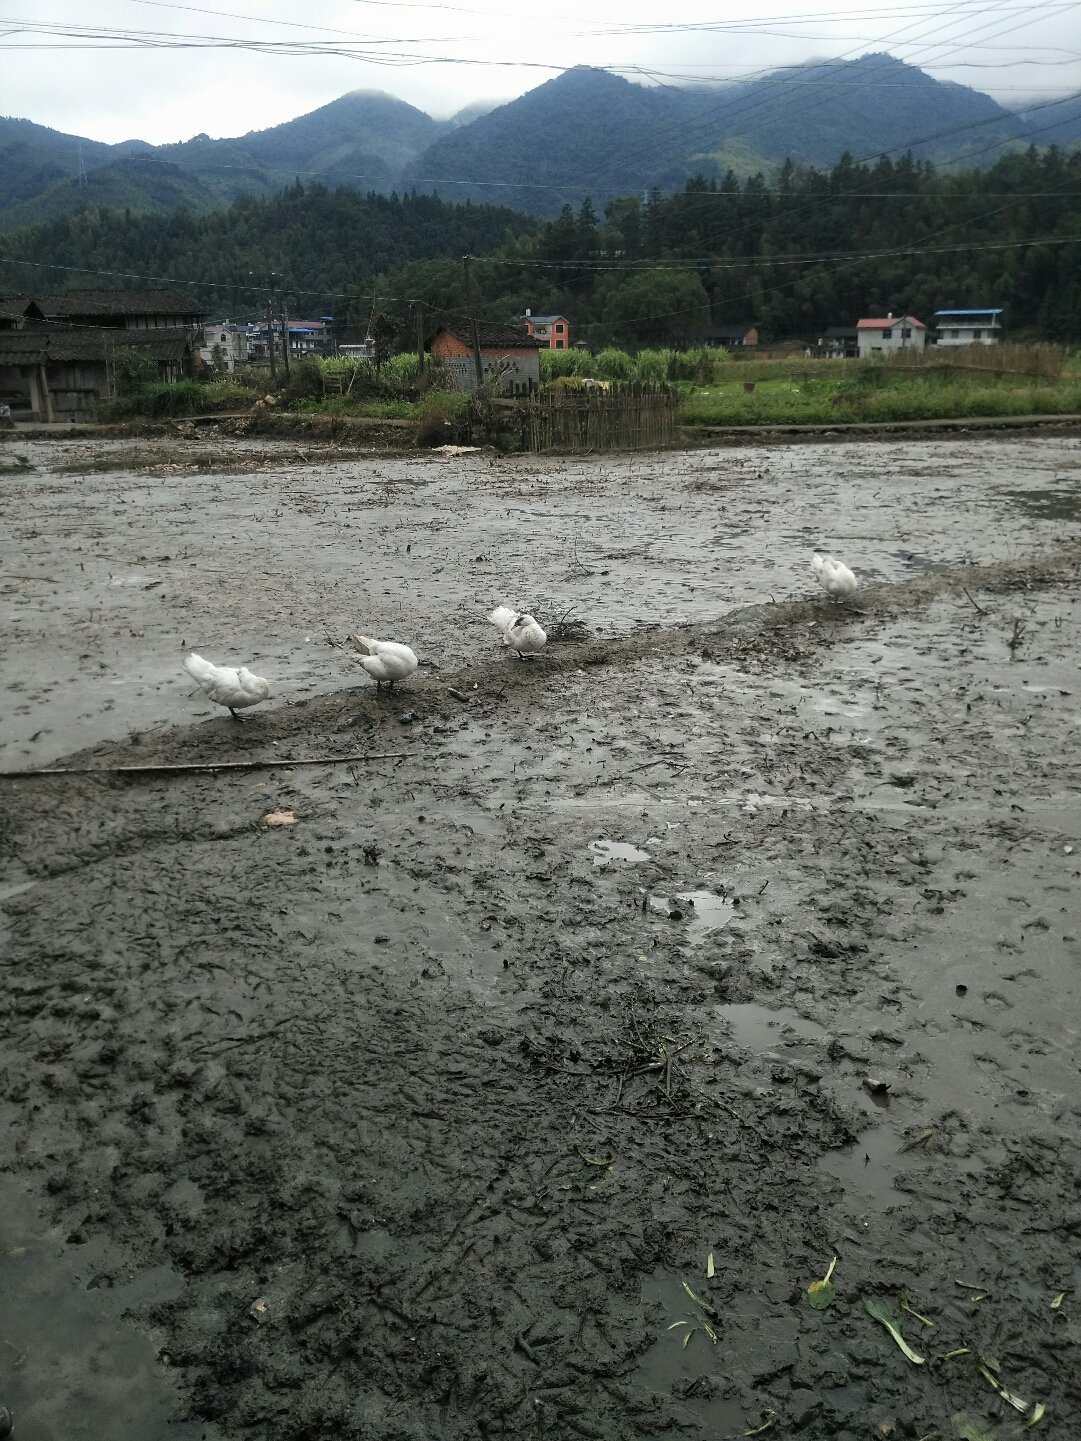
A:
x,y
386,661
520,632
833,575
231,686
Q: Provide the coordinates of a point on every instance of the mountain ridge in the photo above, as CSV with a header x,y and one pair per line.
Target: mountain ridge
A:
x,y
583,133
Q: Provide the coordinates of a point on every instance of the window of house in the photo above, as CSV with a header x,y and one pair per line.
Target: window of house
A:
x,y
906,334
886,334
976,334
561,345
955,333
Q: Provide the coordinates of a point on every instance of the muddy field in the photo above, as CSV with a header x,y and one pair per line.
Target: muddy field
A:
x,y
592,1006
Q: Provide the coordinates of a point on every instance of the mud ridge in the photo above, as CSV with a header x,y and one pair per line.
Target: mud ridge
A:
x,y
758,630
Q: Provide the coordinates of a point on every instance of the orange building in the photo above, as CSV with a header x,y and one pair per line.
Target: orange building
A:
x,y
551,332
509,357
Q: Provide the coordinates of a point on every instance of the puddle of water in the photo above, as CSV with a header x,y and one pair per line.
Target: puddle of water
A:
x,y
912,560
1047,504
868,1166
122,582
703,911
84,1372
760,1028
606,853
669,1365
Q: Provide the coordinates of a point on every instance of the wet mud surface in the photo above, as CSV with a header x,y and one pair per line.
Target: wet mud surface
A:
x,y
741,935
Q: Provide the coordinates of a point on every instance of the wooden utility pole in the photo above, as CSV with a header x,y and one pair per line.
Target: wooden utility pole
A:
x,y
285,340
270,327
467,263
419,315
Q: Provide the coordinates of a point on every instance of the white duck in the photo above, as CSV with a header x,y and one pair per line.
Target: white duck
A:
x,y
520,632
236,688
834,576
386,661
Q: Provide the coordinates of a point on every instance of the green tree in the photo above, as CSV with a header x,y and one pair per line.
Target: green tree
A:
x,y
653,307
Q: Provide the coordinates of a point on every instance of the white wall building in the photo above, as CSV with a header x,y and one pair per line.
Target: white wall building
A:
x,y
968,327
885,337
232,343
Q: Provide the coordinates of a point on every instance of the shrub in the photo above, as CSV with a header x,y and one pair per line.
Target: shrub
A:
x,y
653,366
443,420
556,363
614,364
135,368
305,381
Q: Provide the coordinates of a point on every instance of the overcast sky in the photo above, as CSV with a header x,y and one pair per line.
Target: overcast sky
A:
x,y
120,69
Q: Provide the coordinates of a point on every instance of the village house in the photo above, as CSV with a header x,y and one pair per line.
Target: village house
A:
x,y
839,342
59,373
16,310
734,337
225,343
510,359
967,327
123,309
58,354
890,335
741,336
551,332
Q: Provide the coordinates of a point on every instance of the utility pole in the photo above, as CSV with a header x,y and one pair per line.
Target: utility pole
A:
x,y
467,262
419,315
270,327
285,340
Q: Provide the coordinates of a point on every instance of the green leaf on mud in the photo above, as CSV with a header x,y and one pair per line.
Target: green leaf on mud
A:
x,y
961,1351
880,1313
771,1419
698,1300
709,1266
688,1336
1007,1396
902,1301
965,1428
594,1160
823,1293
1039,1411
708,1329
678,1323
1057,1302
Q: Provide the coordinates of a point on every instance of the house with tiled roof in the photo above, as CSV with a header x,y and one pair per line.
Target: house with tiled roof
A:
x,y
57,351
60,372
16,310
510,359
150,309
889,335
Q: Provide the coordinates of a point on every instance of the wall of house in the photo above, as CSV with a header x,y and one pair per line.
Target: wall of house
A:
x,y
76,387
967,335
511,371
875,342
17,391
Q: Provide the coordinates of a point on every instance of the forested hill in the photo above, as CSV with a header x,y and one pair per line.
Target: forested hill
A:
x,y
813,249
322,243
810,249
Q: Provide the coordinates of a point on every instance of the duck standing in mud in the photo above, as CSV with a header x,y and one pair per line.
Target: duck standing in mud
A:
x,y
386,661
834,576
234,687
520,632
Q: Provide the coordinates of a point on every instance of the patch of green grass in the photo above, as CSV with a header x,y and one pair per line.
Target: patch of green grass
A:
x,y
875,393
